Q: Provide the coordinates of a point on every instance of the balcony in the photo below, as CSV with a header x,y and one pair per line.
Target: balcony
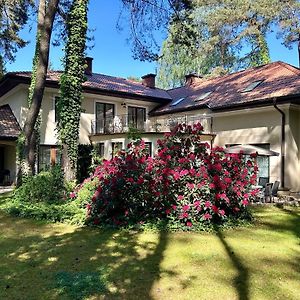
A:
x,y
124,123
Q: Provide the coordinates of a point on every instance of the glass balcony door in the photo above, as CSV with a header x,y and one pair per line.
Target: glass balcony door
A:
x,y
105,113
136,117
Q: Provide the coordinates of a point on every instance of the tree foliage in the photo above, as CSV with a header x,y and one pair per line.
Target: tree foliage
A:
x,y
220,37
13,17
146,19
69,104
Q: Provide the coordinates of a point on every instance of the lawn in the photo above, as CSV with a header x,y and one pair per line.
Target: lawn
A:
x,y
57,261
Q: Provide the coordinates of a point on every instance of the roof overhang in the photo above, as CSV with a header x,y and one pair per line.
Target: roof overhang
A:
x,y
10,80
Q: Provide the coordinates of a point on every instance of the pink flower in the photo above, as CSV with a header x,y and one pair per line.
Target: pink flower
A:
x,y
189,224
176,175
207,216
215,209
168,211
207,204
227,180
140,180
174,207
245,202
192,172
197,203
218,167
221,212
183,173
212,186
184,215
72,195
186,207
180,197
190,185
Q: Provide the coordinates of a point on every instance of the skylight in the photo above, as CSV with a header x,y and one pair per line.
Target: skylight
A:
x,y
252,86
177,101
203,96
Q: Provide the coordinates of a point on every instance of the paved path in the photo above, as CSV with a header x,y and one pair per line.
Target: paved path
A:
x,y
6,189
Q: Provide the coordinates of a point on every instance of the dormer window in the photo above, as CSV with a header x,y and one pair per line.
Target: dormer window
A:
x,y
203,96
177,101
252,86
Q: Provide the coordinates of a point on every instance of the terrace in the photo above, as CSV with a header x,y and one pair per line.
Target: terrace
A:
x,y
125,123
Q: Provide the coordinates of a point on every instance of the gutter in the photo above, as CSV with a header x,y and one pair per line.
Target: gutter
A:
x,y
282,161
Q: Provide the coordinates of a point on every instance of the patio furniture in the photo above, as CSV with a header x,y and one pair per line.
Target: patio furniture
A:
x,y
268,192
250,149
263,181
274,190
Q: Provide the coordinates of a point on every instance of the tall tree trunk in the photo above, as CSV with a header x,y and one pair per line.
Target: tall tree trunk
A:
x,y
46,15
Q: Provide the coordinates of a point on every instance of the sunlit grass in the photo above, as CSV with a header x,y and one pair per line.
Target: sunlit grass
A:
x,y
55,261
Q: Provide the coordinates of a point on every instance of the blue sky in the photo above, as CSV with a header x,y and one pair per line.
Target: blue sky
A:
x,y
112,53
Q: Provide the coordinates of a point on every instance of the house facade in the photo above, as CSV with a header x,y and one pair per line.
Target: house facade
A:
x,y
258,106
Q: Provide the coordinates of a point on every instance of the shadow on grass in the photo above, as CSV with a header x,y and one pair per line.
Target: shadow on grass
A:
x,y
280,219
241,281
41,263
294,221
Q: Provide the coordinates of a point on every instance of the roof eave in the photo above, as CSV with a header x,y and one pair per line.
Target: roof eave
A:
x,y
12,80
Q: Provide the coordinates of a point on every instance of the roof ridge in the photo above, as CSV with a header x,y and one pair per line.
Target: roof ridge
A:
x,y
229,74
241,71
290,67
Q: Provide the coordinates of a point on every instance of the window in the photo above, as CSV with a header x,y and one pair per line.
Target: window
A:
x,y
136,117
203,96
48,156
99,148
263,162
177,101
105,113
116,147
148,148
252,86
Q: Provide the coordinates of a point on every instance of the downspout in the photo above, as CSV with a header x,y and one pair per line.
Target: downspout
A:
x,y
282,161
211,131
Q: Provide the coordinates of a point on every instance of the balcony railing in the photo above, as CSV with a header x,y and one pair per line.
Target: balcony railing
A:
x,y
123,124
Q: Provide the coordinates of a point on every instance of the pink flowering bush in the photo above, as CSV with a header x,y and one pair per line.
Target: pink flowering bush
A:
x,y
186,184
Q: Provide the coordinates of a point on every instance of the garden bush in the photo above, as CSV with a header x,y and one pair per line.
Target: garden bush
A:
x,y
47,186
187,184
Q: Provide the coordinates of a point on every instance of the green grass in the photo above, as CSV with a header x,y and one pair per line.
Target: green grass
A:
x,y
58,261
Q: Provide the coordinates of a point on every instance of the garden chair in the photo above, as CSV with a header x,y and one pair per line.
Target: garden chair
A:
x,y
262,181
274,190
268,192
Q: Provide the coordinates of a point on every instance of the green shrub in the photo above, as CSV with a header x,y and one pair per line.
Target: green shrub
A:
x,y
67,212
47,186
86,192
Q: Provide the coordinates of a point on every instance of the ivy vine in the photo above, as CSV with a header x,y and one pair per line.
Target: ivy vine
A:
x,y
20,147
69,102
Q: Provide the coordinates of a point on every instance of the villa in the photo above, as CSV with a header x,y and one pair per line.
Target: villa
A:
x,y
258,106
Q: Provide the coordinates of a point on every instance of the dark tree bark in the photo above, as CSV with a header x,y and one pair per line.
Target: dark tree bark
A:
x,y
46,18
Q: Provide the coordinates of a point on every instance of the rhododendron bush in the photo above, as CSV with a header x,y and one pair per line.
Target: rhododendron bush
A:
x,y
186,183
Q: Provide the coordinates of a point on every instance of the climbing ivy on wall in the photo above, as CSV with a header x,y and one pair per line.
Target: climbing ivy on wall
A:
x,y
23,169
69,103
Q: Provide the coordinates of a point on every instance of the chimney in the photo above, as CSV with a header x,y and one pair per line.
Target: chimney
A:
x,y
149,80
89,66
192,79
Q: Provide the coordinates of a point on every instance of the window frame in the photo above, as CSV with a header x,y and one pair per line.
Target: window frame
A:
x,y
105,129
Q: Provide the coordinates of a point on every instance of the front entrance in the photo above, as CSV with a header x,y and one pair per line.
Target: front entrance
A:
x,y
7,162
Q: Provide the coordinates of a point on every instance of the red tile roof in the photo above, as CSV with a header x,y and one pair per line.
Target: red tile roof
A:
x,y
107,83
9,126
279,80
